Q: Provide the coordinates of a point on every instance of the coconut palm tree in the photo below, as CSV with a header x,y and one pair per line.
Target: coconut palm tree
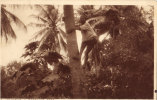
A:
x,y
78,76
6,19
52,37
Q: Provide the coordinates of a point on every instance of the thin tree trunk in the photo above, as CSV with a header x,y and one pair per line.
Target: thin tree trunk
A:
x,y
74,59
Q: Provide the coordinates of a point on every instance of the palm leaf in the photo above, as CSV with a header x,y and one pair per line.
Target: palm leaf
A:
x,y
39,18
15,19
62,34
53,13
43,12
40,33
44,37
59,18
62,43
36,25
6,28
49,8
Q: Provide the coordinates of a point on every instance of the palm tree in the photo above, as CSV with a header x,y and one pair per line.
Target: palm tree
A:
x,y
6,19
74,60
52,37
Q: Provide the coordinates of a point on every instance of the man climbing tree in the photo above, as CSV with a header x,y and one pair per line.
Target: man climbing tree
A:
x,y
89,39
109,22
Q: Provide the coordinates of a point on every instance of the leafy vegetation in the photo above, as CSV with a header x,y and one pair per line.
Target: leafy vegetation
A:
x,y
120,67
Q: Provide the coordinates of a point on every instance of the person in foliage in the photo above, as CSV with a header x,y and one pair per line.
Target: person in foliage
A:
x,y
90,37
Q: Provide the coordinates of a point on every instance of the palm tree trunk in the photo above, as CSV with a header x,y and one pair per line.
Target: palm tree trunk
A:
x,y
74,59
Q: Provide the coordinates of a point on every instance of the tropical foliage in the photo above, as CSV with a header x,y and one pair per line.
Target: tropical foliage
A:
x,y
120,67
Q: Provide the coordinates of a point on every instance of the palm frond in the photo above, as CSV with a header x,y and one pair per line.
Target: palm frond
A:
x,y
39,18
48,12
6,28
36,25
63,44
44,37
43,12
40,33
59,18
53,13
62,34
15,19
49,8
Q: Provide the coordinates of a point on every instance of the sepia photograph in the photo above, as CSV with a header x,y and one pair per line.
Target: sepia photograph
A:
x,y
77,51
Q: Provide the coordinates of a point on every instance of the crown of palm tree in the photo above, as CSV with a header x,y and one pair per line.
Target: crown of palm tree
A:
x,y
50,33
